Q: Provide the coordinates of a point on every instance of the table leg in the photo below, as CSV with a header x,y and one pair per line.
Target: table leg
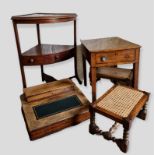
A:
x,y
23,75
93,82
84,70
136,70
42,72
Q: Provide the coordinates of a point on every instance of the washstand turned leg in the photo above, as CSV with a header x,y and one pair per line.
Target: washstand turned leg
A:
x,y
84,70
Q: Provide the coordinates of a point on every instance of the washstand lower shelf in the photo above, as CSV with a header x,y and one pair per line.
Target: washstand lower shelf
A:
x,y
51,107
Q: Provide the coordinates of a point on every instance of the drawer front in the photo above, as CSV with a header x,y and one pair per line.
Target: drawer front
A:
x,y
125,56
117,57
103,58
37,60
46,59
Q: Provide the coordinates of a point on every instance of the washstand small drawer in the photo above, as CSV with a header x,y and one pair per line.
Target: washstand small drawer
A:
x,y
105,57
37,60
29,60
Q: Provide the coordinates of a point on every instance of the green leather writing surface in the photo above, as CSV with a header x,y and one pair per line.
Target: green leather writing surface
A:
x,y
55,107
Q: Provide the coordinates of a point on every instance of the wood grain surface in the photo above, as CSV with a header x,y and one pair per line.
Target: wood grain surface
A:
x,y
44,18
40,127
108,44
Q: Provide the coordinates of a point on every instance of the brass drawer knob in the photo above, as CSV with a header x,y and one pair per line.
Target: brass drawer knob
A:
x,y
31,60
104,58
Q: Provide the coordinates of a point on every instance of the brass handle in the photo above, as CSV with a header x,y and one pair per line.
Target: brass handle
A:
x,y
31,60
104,58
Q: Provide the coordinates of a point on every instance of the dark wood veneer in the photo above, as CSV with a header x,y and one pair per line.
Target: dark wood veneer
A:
x,y
47,54
42,18
43,54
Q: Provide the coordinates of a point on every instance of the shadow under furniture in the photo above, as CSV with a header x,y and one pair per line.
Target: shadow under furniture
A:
x,y
43,54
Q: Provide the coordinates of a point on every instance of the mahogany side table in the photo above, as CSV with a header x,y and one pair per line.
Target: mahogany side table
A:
x,y
108,52
43,54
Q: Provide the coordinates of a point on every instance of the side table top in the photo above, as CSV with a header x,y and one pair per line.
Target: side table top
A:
x,y
44,17
108,44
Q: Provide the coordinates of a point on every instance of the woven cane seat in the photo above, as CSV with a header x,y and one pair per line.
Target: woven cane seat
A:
x,y
121,102
115,73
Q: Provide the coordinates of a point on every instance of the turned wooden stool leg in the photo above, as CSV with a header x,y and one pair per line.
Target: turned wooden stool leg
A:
x,y
124,143
143,112
93,128
126,139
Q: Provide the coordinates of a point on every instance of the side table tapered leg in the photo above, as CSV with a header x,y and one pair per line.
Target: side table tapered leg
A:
x,y
136,70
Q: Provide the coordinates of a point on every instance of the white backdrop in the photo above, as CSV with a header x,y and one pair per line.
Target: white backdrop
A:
x,y
130,19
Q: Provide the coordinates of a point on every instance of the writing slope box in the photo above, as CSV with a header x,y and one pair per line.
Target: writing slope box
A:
x,y
46,90
55,112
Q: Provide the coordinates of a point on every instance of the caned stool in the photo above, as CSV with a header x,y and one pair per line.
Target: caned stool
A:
x,y
116,75
121,104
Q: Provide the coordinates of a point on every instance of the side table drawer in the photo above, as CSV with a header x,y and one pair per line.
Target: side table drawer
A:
x,y
125,55
105,58
116,57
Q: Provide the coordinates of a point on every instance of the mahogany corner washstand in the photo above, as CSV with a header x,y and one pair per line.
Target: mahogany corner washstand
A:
x,y
110,51
42,54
